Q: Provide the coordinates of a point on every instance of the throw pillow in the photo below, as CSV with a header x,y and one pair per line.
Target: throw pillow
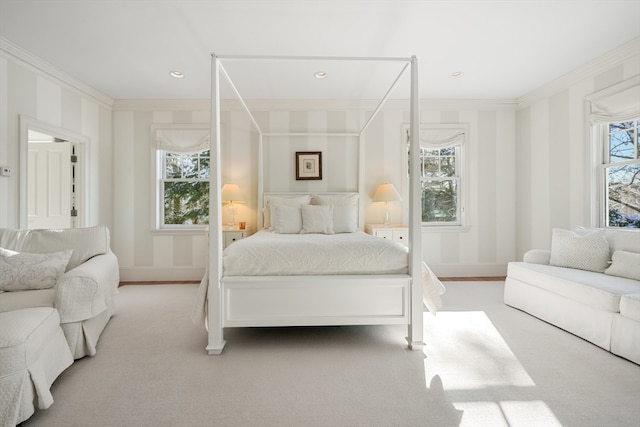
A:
x,y
345,210
625,264
22,271
286,219
275,200
587,251
317,219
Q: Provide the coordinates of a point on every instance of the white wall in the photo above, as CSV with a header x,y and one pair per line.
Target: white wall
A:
x,y
527,161
482,248
29,87
553,148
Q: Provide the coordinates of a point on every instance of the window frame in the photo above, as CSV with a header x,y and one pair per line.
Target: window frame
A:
x,y
614,104
163,180
601,134
158,157
461,173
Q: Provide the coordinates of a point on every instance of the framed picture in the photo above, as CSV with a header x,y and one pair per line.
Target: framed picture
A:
x,y
308,165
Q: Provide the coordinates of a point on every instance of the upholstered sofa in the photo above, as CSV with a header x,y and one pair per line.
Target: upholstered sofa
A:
x,y
78,275
588,284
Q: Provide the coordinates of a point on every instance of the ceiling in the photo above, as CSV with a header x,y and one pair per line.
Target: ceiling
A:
x,y
506,48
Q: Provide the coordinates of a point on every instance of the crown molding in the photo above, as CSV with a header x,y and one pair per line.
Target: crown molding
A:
x,y
601,64
307,104
32,62
161,105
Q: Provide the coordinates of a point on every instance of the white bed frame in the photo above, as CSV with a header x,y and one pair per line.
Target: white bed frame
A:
x,y
246,301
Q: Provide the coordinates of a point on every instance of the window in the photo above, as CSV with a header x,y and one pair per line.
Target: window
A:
x,y
184,188
182,159
620,175
440,177
441,154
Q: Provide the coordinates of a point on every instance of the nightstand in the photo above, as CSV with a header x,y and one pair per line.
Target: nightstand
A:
x,y
396,232
231,235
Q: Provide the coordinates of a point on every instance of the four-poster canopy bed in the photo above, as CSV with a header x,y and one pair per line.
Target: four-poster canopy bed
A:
x,y
236,298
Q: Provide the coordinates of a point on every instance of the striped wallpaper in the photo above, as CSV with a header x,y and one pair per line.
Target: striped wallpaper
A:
x,y
482,247
526,161
26,91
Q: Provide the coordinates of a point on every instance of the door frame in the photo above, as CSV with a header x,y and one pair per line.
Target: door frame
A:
x,y
81,143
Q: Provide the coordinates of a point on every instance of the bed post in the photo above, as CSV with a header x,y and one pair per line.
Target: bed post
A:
x,y
214,306
415,332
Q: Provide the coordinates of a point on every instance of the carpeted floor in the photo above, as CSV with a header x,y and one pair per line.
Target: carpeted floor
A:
x,y
485,364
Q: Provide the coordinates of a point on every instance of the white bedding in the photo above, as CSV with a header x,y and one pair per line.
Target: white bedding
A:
x,y
271,254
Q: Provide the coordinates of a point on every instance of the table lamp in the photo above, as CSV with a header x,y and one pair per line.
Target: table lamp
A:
x,y
387,193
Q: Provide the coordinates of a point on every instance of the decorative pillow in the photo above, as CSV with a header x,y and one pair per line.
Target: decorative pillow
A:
x,y
286,219
288,201
625,264
345,211
317,219
584,251
22,271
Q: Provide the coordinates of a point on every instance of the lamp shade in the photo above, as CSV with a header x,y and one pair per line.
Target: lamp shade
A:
x,y
231,193
386,193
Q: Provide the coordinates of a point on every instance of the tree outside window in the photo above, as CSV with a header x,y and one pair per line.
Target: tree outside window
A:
x,y
185,188
441,173
622,175
440,183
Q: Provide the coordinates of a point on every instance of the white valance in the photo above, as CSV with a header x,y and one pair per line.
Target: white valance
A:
x,y
616,106
441,137
188,140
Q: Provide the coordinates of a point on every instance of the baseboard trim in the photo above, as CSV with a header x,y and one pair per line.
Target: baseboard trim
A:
x,y
155,274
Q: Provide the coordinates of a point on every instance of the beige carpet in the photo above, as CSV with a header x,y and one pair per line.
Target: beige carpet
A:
x,y
485,364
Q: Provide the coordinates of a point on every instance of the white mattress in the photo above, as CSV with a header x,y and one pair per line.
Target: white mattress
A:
x,y
270,254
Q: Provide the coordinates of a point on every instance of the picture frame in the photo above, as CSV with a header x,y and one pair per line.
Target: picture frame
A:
x,y
308,165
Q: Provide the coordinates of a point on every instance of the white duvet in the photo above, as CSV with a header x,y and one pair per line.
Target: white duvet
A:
x,y
270,254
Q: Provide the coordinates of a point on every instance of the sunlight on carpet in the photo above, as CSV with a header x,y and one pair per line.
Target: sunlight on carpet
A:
x,y
468,354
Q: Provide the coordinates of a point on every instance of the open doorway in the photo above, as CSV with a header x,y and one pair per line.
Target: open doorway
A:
x,y
52,177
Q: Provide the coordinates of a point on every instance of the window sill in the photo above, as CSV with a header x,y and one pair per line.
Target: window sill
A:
x,y
446,228
179,232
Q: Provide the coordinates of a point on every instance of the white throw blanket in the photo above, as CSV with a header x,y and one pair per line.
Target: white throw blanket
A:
x,y
432,289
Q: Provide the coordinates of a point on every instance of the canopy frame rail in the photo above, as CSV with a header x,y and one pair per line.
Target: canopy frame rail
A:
x,y
215,297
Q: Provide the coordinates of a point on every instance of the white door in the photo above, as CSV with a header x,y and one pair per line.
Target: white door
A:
x,y
49,185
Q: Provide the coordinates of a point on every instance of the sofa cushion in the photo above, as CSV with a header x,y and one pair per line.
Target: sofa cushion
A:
x,y
587,250
86,242
593,289
25,299
13,239
25,334
625,264
21,271
630,306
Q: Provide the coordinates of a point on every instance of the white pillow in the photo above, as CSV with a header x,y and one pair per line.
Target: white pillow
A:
x,y
27,271
286,219
625,264
345,211
288,201
585,251
317,219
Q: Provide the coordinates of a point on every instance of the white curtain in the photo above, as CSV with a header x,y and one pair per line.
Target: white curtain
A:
x,y
618,106
182,140
441,137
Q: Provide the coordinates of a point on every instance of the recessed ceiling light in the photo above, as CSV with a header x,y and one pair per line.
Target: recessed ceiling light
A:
x,y
456,75
320,75
176,74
